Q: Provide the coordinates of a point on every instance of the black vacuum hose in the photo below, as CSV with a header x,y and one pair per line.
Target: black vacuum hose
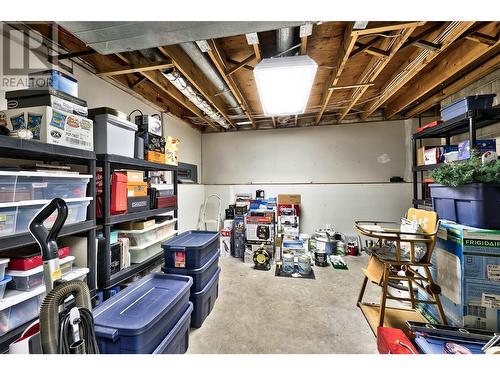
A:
x,y
87,343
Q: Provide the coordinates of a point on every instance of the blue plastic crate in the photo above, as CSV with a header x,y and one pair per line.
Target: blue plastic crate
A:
x,y
136,320
191,249
204,301
201,276
466,104
177,340
476,205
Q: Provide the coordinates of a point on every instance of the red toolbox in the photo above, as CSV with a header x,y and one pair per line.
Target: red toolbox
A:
x,y
393,341
29,258
164,202
118,193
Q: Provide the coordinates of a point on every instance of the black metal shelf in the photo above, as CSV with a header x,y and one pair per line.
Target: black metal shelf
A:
x,y
134,269
25,238
125,162
34,150
422,202
460,124
117,219
423,168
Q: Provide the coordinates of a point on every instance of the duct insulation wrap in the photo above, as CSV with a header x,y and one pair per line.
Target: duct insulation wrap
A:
x,y
190,92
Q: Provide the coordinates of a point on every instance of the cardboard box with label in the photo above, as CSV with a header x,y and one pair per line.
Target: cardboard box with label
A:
x,y
225,243
53,126
137,189
135,176
466,265
172,151
259,228
288,198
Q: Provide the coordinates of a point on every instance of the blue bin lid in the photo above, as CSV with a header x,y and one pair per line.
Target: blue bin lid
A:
x,y
193,239
5,280
141,305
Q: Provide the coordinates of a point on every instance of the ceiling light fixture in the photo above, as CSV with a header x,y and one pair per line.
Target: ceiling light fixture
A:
x,y
243,122
284,84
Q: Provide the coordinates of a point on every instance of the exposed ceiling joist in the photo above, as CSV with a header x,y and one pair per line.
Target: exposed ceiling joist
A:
x,y
348,43
164,84
489,66
482,38
136,69
424,34
370,50
274,121
303,45
199,80
464,53
383,29
364,46
343,87
241,64
419,60
377,65
219,60
233,62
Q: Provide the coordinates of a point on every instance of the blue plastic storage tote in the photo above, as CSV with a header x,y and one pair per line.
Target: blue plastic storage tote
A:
x,y
466,104
192,249
204,301
201,276
177,341
476,205
138,318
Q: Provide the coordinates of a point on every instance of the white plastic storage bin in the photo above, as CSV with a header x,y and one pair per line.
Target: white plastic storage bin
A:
x,y
77,212
4,262
139,254
113,135
18,308
7,219
154,233
32,279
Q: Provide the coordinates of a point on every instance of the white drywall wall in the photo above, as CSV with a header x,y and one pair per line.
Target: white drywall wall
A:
x,y
99,93
349,167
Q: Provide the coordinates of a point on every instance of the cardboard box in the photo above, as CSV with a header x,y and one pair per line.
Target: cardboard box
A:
x,y
135,176
155,157
420,156
153,142
172,151
259,228
288,198
466,265
432,156
137,225
482,146
150,124
137,189
52,126
225,243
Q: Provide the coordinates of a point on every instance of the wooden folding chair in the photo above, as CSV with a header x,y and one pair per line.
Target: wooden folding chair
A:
x,y
383,265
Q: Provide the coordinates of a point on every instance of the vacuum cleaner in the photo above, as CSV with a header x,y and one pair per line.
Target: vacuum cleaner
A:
x,y
65,325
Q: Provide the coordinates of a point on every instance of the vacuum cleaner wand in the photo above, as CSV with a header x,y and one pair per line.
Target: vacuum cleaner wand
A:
x,y
46,238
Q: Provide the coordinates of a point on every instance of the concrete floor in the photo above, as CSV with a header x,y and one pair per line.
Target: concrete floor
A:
x,y
259,313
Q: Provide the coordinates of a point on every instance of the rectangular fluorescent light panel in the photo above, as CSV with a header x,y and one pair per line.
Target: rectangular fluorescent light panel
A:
x,y
284,84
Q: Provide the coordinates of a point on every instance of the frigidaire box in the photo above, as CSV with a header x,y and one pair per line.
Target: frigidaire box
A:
x,y
466,265
53,126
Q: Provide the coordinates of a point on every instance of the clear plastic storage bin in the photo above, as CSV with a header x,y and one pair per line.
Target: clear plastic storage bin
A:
x,y
139,255
18,308
3,285
24,186
148,235
77,212
32,279
3,265
7,219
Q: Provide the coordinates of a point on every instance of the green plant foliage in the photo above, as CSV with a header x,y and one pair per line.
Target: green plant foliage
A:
x,y
467,172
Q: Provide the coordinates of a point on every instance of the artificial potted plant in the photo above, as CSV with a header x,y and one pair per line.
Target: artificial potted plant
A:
x,y
468,192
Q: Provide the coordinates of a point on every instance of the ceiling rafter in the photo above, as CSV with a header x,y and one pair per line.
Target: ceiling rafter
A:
x,y
383,29
219,60
377,64
348,42
240,65
489,66
419,60
188,69
137,68
165,85
462,55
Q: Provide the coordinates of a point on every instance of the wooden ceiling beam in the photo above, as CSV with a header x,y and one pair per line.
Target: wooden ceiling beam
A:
x,y
383,29
256,50
348,42
205,87
136,69
419,60
343,87
247,67
219,60
303,45
482,38
371,50
165,85
274,121
424,34
463,54
488,67
241,64
377,65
